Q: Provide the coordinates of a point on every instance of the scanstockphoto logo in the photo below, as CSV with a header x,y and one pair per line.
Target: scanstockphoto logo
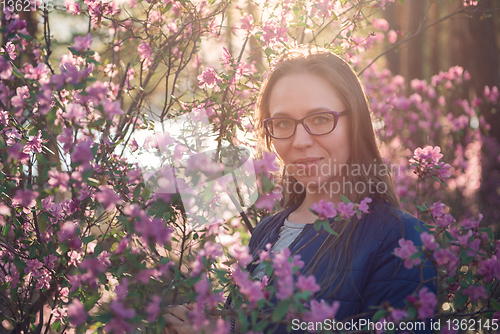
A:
x,y
214,185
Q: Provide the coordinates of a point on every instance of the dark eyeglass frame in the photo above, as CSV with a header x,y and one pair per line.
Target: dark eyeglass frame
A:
x,y
336,114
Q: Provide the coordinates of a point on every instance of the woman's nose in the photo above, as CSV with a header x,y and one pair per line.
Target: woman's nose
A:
x,y
302,138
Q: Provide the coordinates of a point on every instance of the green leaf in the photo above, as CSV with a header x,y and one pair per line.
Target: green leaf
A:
x,y
281,310
495,304
328,228
90,302
416,255
344,199
459,300
422,208
5,229
55,326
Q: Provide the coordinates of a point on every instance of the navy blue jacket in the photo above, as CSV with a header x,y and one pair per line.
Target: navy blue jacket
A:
x,y
375,275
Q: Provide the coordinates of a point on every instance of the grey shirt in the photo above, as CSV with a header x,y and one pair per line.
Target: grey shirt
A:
x,y
288,232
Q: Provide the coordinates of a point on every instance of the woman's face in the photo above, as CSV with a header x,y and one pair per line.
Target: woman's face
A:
x,y
312,160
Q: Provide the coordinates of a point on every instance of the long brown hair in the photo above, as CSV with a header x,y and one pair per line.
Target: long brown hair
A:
x,y
364,151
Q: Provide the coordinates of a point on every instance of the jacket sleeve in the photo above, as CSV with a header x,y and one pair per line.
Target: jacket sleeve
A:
x,y
389,280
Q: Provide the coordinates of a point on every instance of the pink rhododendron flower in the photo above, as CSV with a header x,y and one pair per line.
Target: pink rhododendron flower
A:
x,y
324,209
345,210
66,138
267,164
363,206
250,289
380,24
246,22
475,292
267,201
5,69
108,197
437,209
490,269
76,312
58,179
321,311
145,54
428,303
491,94
82,153
26,199
208,78
429,241
72,7
307,283
82,43
153,309
405,251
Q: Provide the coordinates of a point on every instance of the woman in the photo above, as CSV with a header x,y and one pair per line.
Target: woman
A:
x,y
312,111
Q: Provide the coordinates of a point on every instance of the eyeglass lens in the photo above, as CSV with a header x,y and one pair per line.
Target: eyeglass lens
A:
x,y
315,124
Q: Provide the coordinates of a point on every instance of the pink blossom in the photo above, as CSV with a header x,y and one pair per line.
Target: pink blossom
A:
x,y
490,269
445,220
241,254
471,223
321,311
392,36
222,327
307,283
405,251
381,24
153,229
108,198
429,241
112,109
208,78
76,313
58,179
428,303
246,22
145,54
345,210
38,73
251,289
492,94
25,198
34,144
66,137
4,117
324,209
5,69
267,201
448,258
267,164
82,43
437,209
72,7
82,153
33,265
432,154
363,206
475,292
10,49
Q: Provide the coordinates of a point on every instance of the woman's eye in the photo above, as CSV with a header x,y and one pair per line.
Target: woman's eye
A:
x,y
320,119
283,124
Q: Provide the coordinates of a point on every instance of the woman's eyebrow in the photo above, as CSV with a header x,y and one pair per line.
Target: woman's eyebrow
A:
x,y
310,111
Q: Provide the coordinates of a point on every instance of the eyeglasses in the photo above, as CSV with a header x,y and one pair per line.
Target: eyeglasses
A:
x,y
316,124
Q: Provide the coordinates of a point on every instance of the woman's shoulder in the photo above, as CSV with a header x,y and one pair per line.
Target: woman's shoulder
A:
x,y
267,225
392,223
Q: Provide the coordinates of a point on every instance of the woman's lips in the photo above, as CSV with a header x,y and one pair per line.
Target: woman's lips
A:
x,y
306,163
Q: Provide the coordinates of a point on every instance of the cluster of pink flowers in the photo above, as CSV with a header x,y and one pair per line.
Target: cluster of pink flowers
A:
x,y
426,163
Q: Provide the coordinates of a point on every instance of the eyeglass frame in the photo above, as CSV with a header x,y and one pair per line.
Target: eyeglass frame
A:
x,y
301,121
